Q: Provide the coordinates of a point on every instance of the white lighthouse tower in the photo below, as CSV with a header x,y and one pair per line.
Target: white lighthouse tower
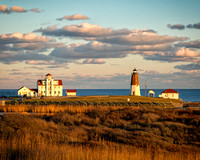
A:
x,y
135,87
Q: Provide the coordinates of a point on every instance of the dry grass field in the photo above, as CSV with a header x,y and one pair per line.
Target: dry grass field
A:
x,y
96,132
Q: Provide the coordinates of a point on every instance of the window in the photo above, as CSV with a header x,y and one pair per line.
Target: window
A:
x,y
54,92
58,92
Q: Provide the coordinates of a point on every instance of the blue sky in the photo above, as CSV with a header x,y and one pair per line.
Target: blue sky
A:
x,y
96,44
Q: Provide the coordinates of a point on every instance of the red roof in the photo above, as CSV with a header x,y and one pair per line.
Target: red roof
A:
x,y
35,90
169,91
48,74
40,82
71,90
59,82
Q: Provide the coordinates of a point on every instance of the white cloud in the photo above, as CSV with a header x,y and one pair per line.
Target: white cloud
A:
x,y
73,17
39,62
3,8
186,52
16,9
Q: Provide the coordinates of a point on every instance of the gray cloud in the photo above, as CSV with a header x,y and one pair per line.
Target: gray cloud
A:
x,y
18,57
182,27
72,54
176,54
73,17
192,66
93,61
18,47
140,37
176,26
37,10
83,30
191,44
194,26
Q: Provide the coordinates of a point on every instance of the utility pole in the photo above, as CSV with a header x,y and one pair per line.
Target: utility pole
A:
x,y
145,88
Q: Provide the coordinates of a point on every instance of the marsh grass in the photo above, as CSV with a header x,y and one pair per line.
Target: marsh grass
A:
x,y
100,133
45,108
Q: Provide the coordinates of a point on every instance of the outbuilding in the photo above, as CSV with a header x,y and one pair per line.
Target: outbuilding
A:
x,y
24,91
151,93
71,92
169,93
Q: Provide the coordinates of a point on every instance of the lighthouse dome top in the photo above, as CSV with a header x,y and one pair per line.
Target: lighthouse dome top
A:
x,y
134,71
48,74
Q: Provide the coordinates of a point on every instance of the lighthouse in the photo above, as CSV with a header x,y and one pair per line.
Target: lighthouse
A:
x,y
135,87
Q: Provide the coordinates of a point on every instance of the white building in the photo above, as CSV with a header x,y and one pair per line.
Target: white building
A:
x,y
50,87
170,93
135,87
151,93
24,91
71,93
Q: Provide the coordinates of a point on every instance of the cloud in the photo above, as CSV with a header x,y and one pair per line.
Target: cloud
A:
x,y
194,26
83,30
182,27
3,8
37,10
16,9
9,58
109,43
16,47
19,37
176,54
192,66
140,37
191,44
40,62
73,17
182,79
94,61
176,26
28,41
92,50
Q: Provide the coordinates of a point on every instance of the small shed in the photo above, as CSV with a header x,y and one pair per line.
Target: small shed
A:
x,y
169,93
151,93
71,92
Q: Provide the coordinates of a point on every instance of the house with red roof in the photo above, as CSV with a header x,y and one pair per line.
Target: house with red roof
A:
x,y
169,93
45,87
27,92
71,92
49,86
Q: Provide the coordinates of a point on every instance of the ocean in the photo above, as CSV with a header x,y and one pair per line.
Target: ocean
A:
x,y
188,95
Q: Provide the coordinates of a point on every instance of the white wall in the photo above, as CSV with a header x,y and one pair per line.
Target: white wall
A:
x,y
135,90
170,95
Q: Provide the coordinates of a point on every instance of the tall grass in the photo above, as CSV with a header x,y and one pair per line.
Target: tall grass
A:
x,y
45,108
34,146
100,133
